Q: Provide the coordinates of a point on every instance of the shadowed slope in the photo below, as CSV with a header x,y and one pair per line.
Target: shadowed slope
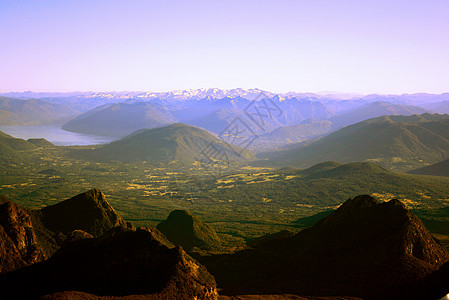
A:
x,y
365,248
88,211
121,262
186,230
438,169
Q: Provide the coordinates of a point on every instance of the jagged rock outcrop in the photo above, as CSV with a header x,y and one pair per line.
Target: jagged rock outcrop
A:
x,y
119,263
50,226
88,211
186,230
18,243
77,235
365,249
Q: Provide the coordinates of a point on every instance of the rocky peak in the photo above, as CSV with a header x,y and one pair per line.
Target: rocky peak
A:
x,y
88,211
350,210
19,245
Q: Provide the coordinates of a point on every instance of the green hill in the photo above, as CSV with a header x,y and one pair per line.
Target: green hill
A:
x,y
120,119
10,148
186,230
15,143
398,142
177,142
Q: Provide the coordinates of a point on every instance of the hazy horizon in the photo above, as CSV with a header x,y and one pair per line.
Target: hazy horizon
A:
x,y
342,93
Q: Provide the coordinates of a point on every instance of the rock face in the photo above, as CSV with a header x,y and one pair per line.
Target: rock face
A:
x,y
365,249
121,262
77,235
18,242
88,211
186,230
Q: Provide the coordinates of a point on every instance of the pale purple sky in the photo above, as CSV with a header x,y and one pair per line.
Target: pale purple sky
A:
x,y
384,46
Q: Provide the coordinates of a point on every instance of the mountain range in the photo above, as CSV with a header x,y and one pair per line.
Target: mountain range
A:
x,y
251,94
117,114
372,110
33,112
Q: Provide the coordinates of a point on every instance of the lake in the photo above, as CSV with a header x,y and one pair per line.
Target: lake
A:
x,y
55,134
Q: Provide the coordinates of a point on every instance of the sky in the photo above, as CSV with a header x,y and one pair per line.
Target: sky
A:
x,y
383,46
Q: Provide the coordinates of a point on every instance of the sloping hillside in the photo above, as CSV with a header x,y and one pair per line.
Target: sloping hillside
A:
x,y
33,112
439,169
120,119
177,142
373,110
399,142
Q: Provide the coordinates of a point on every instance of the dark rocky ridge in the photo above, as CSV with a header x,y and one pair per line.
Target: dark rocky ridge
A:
x,y
30,235
186,230
88,211
365,249
121,262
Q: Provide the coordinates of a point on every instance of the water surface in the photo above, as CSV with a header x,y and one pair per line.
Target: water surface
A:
x,y
55,134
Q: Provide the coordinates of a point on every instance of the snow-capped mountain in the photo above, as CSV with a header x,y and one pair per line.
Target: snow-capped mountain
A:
x,y
212,93
177,95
